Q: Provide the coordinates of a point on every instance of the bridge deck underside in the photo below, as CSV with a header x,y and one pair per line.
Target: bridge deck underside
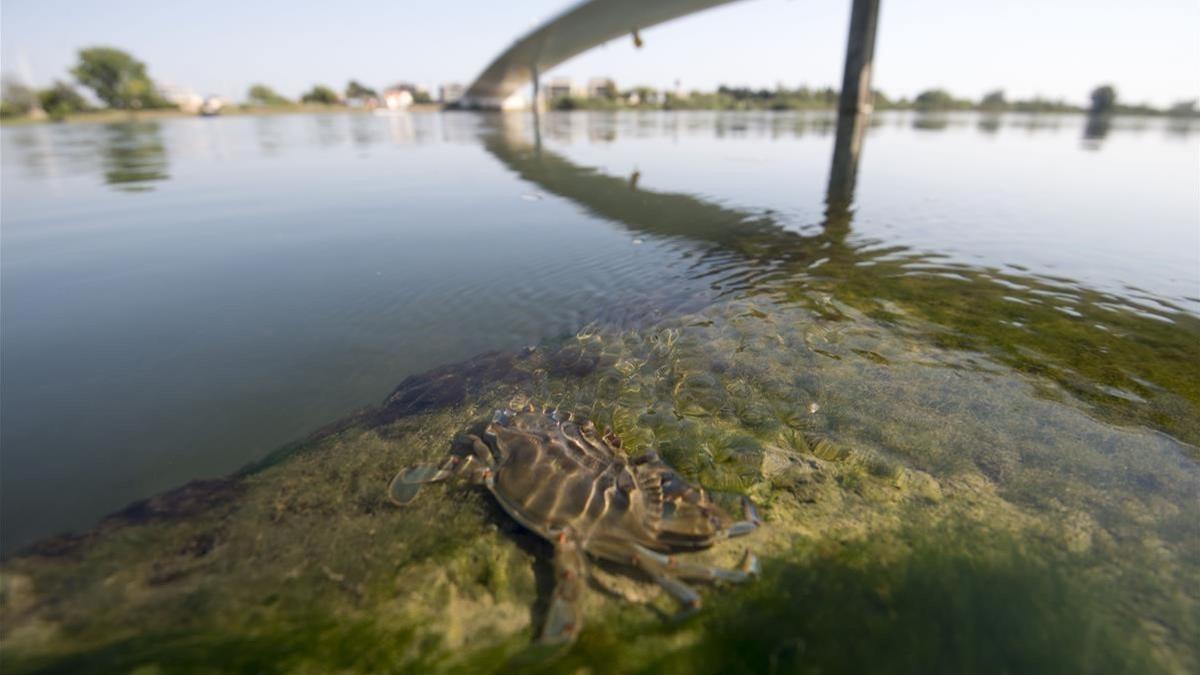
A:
x,y
578,29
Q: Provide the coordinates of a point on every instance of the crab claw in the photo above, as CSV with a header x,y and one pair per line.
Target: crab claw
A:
x,y
407,483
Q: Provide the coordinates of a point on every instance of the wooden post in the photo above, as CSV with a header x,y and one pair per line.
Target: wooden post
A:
x,y
860,56
853,111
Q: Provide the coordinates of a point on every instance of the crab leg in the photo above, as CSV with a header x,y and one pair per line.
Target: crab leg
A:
x,y
747,570
654,566
474,467
563,617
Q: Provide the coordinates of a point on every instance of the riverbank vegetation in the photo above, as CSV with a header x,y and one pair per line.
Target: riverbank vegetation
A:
x,y
1103,98
119,84
111,84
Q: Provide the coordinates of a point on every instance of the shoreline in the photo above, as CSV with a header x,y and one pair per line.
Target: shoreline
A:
x,y
111,116
115,116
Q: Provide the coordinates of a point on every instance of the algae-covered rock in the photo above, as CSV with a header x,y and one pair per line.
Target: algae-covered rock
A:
x,y
916,520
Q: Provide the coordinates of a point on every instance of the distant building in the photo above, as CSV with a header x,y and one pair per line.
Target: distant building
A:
x,y
186,100
212,106
644,96
397,98
419,93
561,87
601,87
450,93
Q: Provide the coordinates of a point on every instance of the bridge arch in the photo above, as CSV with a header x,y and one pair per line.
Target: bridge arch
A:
x,y
577,29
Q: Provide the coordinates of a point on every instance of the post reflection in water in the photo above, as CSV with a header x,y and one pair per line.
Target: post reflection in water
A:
x,y
843,171
1096,130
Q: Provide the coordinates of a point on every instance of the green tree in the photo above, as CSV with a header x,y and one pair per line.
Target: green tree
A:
x,y
994,101
565,103
262,95
934,99
117,78
61,100
1184,109
320,94
16,98
645,95
356,90
1104,99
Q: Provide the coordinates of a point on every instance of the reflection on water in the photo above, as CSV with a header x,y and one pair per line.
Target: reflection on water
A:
x,y
1097,128
134,156
287,269
932,121
1073,335
989,123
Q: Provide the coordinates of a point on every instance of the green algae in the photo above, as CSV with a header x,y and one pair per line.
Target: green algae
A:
x,y
953,602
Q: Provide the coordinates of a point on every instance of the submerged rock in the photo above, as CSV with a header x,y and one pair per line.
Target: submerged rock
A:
x,y
925,517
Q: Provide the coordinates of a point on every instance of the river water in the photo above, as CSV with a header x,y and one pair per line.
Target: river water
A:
x,y
180,297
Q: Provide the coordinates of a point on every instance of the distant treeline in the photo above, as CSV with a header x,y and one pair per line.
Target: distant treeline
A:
x,y
1103,101
120,82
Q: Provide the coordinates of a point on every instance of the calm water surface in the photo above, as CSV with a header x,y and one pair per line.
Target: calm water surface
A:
x,y
181,297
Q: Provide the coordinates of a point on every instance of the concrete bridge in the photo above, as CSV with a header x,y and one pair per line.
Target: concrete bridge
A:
x,y
588,24
591,23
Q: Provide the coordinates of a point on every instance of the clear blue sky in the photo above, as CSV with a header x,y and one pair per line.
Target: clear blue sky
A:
x,y
1061,48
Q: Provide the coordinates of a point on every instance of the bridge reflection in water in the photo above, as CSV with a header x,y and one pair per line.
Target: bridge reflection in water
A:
x,y
594,22
954,305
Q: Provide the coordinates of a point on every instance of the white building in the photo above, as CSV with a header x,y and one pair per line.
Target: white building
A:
x,y
561,87
397,98
185,99
601,87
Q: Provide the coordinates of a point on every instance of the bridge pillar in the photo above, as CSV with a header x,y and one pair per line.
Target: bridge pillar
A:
x,y
537,85
854,109
860,57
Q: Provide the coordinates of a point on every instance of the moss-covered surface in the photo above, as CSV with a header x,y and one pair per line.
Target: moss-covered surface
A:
x,y
928,509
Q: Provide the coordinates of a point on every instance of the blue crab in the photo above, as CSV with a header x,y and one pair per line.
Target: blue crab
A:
x,y
579,490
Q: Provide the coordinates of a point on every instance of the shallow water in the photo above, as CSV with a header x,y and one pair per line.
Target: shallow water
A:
x,y
180,297
1004,323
